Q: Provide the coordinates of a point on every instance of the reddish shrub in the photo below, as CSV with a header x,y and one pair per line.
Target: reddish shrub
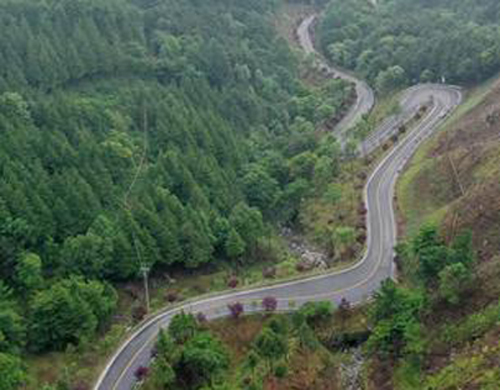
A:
x,y
133,291
362,176
236,309
80,386
141,373
201,318
344,305
344,309
139,312
269,273
233,282
172,296
361,238
270,304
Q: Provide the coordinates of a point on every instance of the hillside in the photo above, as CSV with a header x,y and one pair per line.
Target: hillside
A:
x,y
186,144
456,177
396,43
173,137
458,174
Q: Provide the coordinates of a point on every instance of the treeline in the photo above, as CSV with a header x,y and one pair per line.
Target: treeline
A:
x,y
403,42
142,133
189,355
438,276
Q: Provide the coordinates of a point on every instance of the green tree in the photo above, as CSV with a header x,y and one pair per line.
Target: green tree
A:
x,y
183,327
12,328
260,189
454,279
248,223
164,375
431,252
203,359
462,250
271,345
390,79
29,273
69,311
13,373
343,238
396,320
235,246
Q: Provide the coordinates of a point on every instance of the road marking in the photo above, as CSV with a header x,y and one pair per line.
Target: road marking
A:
x,y
407,142
405,146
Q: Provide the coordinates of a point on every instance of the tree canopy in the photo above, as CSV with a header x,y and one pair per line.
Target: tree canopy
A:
x,y
400,42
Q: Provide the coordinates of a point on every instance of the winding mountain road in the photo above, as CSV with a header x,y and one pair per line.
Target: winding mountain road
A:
x,y
356,283
365,96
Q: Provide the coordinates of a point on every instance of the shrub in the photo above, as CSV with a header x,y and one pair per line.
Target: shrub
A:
x,y
201,318
141,373
280,371
172,296
270,304
233,282
314,312
472,327
139,312
236,309
80,386
269,273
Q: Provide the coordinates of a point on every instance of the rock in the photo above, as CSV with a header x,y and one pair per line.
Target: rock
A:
x,y
351,371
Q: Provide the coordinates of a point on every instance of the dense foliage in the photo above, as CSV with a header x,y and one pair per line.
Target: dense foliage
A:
x,y
438,275
405,41
190,356
137,132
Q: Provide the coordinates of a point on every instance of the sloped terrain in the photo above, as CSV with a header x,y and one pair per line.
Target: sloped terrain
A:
x,y
455,181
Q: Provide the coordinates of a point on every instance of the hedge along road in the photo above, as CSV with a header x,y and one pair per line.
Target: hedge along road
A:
x,y
357,283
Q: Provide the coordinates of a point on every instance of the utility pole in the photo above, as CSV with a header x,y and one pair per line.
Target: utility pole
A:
x,y
145,273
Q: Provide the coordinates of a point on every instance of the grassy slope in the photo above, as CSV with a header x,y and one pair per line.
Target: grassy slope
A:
x,y
428,187
464,343
307,369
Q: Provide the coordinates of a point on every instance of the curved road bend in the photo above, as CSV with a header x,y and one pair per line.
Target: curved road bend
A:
x,y
365,96
356,283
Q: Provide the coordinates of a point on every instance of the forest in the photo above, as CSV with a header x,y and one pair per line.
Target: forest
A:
x,y
141,133
401,42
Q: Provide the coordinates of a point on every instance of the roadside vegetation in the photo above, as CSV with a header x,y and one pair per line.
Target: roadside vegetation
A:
x,y
176,137
268,351
458,172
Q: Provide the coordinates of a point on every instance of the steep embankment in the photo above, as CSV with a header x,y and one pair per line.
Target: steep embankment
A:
x,y
454,181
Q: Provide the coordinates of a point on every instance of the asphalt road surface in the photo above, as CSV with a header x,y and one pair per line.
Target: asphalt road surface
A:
x,y
356,283
365,96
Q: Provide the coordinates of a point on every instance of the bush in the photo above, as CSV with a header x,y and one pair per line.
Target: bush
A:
x,y
472,327
141,373
270,304
172,296
201,318
236,309
139,312
269,273
315,312
281,371
233,282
